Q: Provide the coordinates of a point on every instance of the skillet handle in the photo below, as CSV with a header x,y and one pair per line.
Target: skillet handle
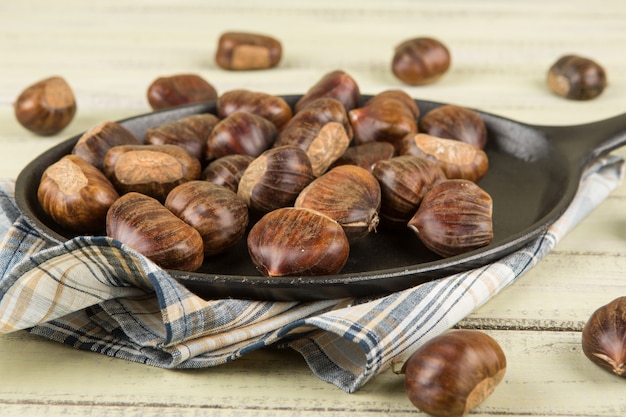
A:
x,y
586,142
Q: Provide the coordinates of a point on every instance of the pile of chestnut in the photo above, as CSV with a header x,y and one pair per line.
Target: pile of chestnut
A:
x,y
300,182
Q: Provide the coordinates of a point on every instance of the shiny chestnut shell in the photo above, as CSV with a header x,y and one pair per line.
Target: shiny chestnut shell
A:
x,y
94,144
46,107
190,133
454,217
454,372
388,117
275,178
227,170
367,154
404,181
219,214
348,194
576,78
145,225
178,89
458,160
76,195
242,51
241,133
297,242
420,61
455,122
604,337
273,108
336,84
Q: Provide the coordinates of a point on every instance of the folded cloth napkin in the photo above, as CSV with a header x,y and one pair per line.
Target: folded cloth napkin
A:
x,y
96,294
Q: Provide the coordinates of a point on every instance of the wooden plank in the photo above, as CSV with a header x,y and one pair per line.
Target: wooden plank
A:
x,y
547,375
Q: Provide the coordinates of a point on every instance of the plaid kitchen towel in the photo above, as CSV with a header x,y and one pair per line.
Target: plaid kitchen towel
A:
x,y
95,294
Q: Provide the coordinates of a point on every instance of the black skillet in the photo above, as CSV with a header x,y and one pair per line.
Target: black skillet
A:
x,y
534,172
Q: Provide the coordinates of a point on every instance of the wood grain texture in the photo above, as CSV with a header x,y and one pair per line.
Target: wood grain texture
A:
x,y
110,51
544,369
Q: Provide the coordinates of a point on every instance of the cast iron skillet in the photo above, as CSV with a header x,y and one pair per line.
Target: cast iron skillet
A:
x,y
533,175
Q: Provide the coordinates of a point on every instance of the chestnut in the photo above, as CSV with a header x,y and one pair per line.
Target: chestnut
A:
x,y
227,170
577,78
94,144
46,107
239,51
190,133
145,225
604,337
454,372
322,129
297,242
348,194
240,133
420,61
273,108
388,116
275,178
219,214
367,154
150,169
458,160
455,122
178,89
404,181
306,123
336,84
454,217
76,195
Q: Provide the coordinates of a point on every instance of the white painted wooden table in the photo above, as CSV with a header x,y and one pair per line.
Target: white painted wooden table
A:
x,y
109,51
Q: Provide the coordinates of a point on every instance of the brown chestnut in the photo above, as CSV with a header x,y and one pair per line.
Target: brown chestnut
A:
x,y
454,217
240,51
241,133
348,194
322,129
275,178
388,117
94,144
305,124
577,78
454,372
76,195
420,61
404,181
46,107
336,84
297,242
604,337
227,170
273,108
367,154
455,122
145,225
179,89
459,160
150,169
190,133
220,215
